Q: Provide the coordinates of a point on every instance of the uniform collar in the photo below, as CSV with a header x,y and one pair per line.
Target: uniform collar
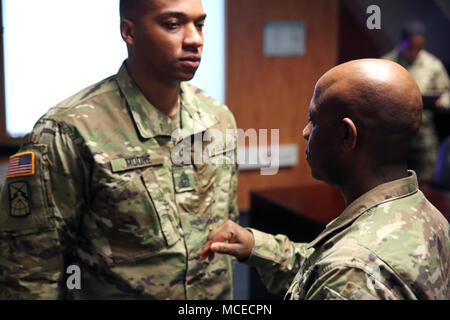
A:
x,y
196,113
151,122
383,193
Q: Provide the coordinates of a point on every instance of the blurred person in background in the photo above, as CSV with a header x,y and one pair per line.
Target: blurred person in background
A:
x,y
433,80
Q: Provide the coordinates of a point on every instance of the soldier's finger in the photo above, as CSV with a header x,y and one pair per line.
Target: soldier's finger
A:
x,y
205,247
228,226
217,231
226,248
222,236
203,255
205,251
210,255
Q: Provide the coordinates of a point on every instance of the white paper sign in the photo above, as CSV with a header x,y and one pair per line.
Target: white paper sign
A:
x,y
284,38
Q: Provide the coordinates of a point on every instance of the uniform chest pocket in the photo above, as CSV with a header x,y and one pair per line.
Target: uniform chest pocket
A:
x,y
137,216
213,185
216,167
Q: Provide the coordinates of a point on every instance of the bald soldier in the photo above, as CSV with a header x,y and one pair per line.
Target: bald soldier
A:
x,y
390,242
102,184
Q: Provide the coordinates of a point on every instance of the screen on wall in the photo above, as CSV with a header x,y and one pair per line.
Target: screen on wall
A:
x,y
55,48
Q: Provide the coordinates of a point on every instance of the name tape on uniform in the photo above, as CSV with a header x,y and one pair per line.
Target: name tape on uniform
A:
x,y
124,164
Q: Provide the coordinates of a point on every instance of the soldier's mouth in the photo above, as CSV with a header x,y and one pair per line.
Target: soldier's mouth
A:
x,y
192,61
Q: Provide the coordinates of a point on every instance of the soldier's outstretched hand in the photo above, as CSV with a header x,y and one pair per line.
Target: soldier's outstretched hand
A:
x,y
230,238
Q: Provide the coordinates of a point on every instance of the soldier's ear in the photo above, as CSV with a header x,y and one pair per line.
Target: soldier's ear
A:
x,y
127,30
350,135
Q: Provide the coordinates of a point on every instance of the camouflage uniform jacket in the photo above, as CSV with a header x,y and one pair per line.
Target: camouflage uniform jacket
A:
x,y
391,243
107,195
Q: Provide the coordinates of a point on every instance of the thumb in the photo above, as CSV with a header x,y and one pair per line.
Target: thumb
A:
x,y
226,248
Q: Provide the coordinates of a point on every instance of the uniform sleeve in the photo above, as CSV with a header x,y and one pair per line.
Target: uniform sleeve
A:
x,y
277,260
232,204
39,214
350,283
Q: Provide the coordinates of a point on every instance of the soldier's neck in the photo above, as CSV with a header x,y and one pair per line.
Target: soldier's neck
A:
x,y
362,181
165,96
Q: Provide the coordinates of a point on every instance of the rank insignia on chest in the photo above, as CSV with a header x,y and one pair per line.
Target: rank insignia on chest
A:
x,y
19,199
184,179
21,164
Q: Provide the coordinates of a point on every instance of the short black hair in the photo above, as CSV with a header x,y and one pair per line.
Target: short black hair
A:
x,y
123,7
128,7
413,28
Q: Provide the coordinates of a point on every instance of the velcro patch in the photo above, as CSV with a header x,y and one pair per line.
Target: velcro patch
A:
x,y
184,179
19,199
20,165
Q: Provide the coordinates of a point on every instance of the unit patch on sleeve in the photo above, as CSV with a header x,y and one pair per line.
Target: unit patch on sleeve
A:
x,y
19,199
21,164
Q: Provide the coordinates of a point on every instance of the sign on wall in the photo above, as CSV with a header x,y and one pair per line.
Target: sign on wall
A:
x,y
284,39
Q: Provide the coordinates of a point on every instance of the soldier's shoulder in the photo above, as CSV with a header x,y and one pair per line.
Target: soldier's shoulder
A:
x,y
431,60
94,97
398,222
405,237
71,112
398,231
409,234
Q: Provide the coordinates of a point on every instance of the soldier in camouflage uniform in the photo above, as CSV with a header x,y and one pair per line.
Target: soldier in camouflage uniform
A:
x,y
431,76
390,242
105,188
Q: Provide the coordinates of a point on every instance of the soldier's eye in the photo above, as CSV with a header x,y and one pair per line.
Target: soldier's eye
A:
x,y
200,25
171,25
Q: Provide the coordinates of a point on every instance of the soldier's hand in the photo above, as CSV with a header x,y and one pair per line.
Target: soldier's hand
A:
x,y
240,242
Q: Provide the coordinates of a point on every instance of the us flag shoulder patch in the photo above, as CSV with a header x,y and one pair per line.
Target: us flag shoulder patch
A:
x,y
20,165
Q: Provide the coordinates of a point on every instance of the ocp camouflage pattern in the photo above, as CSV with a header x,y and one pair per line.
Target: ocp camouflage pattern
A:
x,y
107,196
391,243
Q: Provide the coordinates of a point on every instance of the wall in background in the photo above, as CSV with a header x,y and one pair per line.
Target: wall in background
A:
x,y
210,77
51,53
274,93
54,49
